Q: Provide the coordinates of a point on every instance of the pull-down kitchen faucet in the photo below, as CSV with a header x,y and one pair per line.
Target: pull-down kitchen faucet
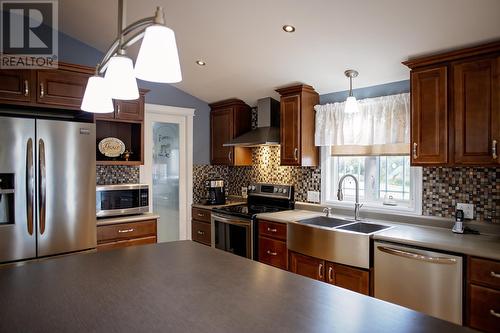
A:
x,y
340,195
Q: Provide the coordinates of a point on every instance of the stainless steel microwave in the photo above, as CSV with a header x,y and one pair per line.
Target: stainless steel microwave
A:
x,y
122,199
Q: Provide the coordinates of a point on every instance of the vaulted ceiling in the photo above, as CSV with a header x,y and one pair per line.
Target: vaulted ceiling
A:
x,y
248,54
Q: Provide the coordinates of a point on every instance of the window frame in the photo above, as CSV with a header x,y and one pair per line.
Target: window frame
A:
x,y
329,189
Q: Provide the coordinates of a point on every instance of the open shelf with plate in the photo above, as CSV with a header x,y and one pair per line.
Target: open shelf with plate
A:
x,y
131,133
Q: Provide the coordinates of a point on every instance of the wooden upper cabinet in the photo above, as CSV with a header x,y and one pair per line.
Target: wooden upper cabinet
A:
x,y
128,110
16,85
61,87
229,119
477,111
306,266
290,135
429,116
455,107
297,120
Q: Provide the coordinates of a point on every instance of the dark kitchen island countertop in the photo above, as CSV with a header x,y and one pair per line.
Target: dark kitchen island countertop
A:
x,y
187,287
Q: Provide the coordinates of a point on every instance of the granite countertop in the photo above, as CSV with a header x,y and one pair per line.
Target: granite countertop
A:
x,y
188,287
127,219
486,246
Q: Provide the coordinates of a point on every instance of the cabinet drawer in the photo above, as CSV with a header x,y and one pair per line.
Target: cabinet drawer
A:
x,y
201,232
272,229
126,243
272,252
201,214
126,231
484,308
483,271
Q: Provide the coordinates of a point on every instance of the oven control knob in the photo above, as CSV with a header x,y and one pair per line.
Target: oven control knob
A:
x,y
253,187
275,190
284,191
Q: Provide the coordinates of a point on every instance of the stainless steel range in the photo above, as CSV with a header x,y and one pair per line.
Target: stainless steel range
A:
x,y
233,226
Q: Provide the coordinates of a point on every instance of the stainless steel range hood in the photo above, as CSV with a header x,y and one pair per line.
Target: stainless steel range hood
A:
x,y
267,132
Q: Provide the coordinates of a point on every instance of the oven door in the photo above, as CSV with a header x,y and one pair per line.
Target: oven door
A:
x,y
232,234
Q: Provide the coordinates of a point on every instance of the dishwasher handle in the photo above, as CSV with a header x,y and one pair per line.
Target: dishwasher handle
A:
x,y
417,256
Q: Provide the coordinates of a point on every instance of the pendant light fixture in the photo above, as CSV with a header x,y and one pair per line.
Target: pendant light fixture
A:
x,y
157,61
96,98
351,104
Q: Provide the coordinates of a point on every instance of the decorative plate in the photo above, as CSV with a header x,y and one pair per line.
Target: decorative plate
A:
x,y
111,147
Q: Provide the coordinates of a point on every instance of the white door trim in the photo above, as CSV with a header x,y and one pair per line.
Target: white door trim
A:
x,y
183,117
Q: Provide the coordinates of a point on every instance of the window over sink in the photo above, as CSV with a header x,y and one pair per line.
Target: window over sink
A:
x,y
386,183
373,145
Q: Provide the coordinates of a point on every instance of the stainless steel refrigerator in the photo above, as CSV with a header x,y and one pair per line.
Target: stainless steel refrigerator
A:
x,y
47,187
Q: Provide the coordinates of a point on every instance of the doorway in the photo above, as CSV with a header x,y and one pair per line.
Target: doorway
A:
x,y
168,168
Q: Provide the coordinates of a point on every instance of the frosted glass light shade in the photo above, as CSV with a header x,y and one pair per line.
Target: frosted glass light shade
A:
x,y
158,58
96,98
351,105
121,79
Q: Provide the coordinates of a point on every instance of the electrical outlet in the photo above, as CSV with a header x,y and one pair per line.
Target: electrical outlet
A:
x,y
468,210
313,196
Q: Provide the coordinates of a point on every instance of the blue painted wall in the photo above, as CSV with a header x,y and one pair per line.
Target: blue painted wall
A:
x,y
368,92
74,51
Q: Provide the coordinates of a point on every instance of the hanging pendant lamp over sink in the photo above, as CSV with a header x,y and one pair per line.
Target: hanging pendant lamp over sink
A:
x,y
351,104
157,61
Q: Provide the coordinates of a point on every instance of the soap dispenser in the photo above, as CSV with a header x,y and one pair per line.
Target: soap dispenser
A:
x,y
458,227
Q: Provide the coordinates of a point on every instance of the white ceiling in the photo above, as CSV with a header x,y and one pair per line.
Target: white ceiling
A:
x,y
248,55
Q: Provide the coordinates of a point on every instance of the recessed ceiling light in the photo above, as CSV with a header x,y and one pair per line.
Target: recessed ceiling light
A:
x,y
200,63
288,28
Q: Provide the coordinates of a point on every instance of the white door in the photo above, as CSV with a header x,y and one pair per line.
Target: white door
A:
x,y
168,165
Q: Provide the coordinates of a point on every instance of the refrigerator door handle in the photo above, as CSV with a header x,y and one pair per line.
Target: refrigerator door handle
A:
x,y
29,185
41,186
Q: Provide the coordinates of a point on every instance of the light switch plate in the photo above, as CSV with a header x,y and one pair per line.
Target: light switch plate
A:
x,y
313,196
468,210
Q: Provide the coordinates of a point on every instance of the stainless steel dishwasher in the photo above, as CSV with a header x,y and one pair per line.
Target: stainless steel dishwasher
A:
x,y
425,281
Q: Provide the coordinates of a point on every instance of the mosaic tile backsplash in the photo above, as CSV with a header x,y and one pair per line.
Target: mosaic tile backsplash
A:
x,y
443,188
116,174
265,169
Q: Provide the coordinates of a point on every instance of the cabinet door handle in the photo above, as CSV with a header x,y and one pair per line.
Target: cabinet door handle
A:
x,y
199,232
330,274
26,88
296,153
271,229
495,275
125,231
200,214
229,156
320,271
272,253
118,108
494,313
494,149
42,90
415,155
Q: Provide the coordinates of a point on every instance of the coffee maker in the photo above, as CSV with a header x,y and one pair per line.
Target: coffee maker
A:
x,y
216,191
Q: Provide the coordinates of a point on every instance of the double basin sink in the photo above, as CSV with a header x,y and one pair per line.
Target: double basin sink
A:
x,y
334,239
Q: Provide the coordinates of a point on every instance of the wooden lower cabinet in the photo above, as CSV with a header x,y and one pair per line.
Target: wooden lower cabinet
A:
x,y
483,294
273,252
126,243
201,228
201,232
311,267
119,235
347,277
